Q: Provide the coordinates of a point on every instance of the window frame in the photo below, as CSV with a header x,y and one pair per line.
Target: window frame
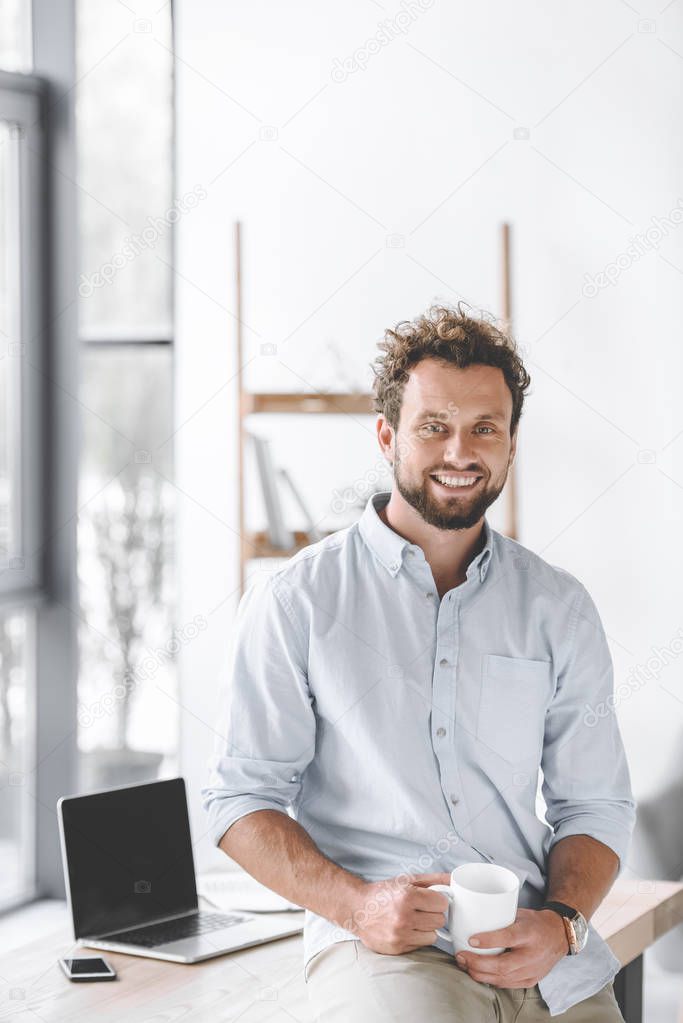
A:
x,y
56,647
22,99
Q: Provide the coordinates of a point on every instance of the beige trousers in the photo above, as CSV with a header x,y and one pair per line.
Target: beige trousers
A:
x,y
348,983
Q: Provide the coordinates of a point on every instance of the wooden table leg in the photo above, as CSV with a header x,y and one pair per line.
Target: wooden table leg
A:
x,y
628,988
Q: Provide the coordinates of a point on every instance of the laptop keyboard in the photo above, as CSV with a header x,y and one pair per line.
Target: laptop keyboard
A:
x,y
175,930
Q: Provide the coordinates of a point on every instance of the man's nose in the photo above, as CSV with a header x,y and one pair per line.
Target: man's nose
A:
x,y
460,448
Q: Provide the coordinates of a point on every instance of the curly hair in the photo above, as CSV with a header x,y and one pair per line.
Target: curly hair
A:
x,y
452,336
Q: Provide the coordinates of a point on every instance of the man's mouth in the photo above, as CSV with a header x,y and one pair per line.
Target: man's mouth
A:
x,y
456,481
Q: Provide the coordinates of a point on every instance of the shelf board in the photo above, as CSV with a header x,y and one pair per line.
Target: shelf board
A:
x,y
287,401
257,545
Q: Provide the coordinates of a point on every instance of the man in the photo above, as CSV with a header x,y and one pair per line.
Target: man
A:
x,y
397,685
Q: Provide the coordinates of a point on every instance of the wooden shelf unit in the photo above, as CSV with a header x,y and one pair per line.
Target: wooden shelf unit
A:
x,y
255,544
290,403
261,547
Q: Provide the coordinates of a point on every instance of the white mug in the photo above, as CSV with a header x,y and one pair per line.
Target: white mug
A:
x,y
482,897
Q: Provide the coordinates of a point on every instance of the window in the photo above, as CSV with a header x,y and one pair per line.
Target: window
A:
x,y
21,458
127,705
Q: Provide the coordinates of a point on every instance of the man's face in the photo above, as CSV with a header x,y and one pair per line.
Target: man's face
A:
x,y
454,423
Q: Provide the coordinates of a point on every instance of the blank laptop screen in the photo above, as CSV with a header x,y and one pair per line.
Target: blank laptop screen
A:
x,y
128,856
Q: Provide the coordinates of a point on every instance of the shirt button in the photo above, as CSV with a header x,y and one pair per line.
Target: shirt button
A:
x,y
441,732
443,662
394,564
454,800
429,594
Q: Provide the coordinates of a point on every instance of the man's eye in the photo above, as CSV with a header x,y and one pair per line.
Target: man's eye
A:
x,y
429,427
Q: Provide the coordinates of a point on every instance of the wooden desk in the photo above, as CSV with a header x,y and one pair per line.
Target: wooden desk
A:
x,y
266,982
260,983
631,918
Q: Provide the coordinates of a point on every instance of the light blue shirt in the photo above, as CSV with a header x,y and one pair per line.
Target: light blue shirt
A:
x,y
405,732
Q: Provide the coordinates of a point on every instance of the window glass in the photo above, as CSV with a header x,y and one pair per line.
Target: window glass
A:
x,y
124,111
127,699
15,35
17,779
9,347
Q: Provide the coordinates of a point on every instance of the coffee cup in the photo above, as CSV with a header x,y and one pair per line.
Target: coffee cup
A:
x,y
482,897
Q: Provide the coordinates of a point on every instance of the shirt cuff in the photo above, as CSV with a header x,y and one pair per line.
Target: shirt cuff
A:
x,y
615,836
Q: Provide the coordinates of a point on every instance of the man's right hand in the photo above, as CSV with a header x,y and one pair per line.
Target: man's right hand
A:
x,y
399,914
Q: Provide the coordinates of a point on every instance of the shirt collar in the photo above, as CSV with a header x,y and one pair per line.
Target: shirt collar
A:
x,y
389,547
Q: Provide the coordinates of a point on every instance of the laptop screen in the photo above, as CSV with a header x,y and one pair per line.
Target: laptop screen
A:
x,y
128,856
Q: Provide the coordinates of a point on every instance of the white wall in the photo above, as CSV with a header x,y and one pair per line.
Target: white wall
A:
x,y
424,144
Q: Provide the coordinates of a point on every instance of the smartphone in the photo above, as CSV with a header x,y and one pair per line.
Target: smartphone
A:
x,y
87,968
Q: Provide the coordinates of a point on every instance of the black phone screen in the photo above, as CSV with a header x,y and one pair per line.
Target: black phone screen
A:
x,y
86,967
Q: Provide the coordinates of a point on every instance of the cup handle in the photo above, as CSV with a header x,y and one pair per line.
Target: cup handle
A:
x,y
443,933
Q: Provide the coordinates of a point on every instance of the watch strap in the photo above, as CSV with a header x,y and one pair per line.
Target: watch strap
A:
x,y
567,915
562,908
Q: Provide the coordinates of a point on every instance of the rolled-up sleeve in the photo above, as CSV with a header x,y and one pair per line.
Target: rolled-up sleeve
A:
x,y
586,780
268,739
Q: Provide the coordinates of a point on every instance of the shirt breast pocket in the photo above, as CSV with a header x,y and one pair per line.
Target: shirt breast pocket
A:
x,y
515,694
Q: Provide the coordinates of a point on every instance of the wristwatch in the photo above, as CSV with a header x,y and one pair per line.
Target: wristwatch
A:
x,y
575,925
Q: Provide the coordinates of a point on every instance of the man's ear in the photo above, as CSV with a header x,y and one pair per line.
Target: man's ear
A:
x,y
385,437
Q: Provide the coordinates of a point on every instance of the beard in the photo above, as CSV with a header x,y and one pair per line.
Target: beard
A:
x,y
460,511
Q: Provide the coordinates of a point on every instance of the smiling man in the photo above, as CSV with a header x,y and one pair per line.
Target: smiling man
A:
x,y
394,691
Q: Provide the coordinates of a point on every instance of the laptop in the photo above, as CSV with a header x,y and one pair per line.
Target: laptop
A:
x,y
130,880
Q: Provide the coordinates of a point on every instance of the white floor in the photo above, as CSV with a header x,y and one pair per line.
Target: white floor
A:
x,y
663,1001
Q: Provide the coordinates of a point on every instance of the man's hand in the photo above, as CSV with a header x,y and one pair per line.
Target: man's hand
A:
x,y
399,914
534,943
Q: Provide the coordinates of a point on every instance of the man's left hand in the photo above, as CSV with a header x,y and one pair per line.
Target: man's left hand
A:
x,y
533,943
